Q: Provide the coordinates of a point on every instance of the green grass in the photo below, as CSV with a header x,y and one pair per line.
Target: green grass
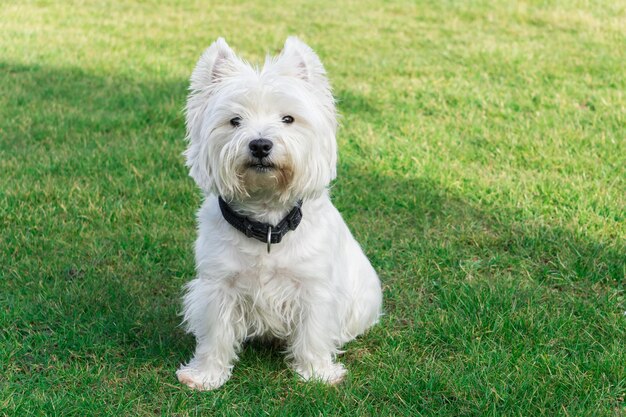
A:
x,y
482,167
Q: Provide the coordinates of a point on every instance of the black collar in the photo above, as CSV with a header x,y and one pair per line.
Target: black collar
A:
x,y
263,232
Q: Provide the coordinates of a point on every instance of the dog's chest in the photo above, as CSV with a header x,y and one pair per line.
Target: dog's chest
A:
x,y
265,281
271,299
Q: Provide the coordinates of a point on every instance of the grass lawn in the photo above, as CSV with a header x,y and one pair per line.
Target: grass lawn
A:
x,y
482,168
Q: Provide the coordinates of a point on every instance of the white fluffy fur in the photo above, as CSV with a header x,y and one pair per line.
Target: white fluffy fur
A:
x,y
316,290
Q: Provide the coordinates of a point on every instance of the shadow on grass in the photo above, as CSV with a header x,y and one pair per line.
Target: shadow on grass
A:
x,y
54,105
476,297
99,283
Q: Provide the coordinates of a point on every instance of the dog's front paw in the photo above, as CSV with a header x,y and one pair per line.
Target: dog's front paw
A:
x,y
202,380
329,373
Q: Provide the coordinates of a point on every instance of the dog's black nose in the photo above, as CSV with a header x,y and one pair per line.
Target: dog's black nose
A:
x,y
260,148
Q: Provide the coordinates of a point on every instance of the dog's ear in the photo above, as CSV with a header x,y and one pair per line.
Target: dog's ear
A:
x,y
299,60
217,61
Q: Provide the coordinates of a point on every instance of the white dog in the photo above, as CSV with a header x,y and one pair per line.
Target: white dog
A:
x,y
274,257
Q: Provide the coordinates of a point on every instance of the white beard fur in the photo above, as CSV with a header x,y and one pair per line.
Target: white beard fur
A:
x,y
316,290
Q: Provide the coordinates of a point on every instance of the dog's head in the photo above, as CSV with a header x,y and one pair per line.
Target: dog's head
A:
x,y
267,133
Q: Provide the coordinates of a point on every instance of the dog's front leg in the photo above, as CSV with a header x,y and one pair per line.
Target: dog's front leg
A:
x,y
211,315
313,346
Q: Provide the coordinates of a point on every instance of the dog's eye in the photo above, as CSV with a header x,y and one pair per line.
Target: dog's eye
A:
x,y
288,120
235,121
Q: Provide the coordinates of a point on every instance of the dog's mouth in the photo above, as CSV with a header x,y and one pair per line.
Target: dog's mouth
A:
x,y
261,166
